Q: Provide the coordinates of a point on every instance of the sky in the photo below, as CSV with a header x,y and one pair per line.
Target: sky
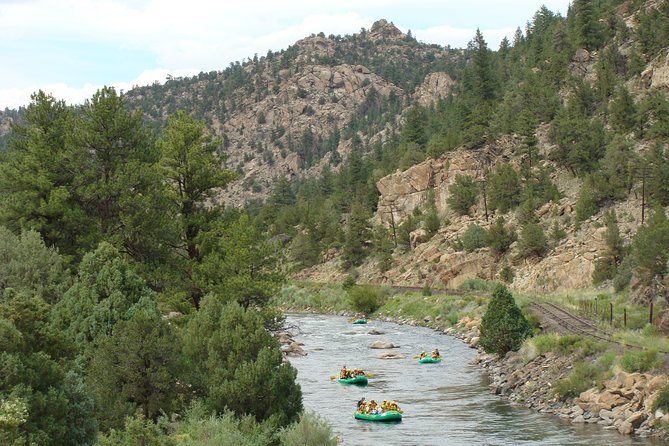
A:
x,y
70,48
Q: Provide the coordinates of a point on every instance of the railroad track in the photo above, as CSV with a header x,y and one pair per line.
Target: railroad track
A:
x,y
570,323
564,322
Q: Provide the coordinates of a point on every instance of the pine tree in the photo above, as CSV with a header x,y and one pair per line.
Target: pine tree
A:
x,y
462,194
650,248
504,188
532,241
357,234
135,368
193,174
37,178
499,237
503,326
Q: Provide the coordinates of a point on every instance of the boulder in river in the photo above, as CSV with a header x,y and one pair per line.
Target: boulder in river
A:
x,y
293,349
390,355
382,345
374,331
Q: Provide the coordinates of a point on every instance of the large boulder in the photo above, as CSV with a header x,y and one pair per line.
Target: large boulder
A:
x,y
382,345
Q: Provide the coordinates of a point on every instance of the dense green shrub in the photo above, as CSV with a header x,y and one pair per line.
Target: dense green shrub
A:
x,y
532,241
310,430
504,188
473,238
500,237
506,274
662,399
463,194
503,327
640,361
477,284
565,345
365,298
583,377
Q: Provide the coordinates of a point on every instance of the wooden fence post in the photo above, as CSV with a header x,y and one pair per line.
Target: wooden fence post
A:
x,y
625,317
650,318
611,314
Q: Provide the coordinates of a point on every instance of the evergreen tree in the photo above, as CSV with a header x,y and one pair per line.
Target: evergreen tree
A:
x,y
233,361
462,194
357,234
105,292
586,203
193,174
480,79
503,326
27,265
135,369
382,247
650,248
532,241
623,110
115,182
503,188
37,176
499,237
588,29
239,263
35,360
657,181
473,238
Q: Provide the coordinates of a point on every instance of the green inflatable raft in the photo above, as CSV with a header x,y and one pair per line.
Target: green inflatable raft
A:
x,y
390,415
428,360
360,380
359,321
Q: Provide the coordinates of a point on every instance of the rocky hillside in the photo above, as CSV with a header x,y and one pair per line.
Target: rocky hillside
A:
x,y
441,261
290,113
572,142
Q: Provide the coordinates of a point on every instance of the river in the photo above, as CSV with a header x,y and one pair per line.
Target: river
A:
x,y
444,404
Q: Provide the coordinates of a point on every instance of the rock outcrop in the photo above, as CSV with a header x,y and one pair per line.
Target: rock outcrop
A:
x,y
435,86
656,74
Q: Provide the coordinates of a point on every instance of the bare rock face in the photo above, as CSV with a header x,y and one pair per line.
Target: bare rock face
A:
x,y
381,29
656,74
435,86
402,192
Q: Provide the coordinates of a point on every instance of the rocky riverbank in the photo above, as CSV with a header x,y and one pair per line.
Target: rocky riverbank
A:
x,y
623,403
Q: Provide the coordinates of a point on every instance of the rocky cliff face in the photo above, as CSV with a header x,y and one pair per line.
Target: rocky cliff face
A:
x,y
440,261
291,113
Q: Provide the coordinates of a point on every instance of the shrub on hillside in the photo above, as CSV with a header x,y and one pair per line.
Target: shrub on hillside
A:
x,y
500,237
310,430
662,399
640,361
503,327
473,238
365,298
463,194
532,241
583,377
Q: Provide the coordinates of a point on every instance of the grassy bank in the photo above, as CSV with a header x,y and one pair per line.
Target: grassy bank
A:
x,y
441,310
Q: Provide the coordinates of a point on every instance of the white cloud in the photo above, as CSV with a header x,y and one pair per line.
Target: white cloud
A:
x,y
460,37
16,97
